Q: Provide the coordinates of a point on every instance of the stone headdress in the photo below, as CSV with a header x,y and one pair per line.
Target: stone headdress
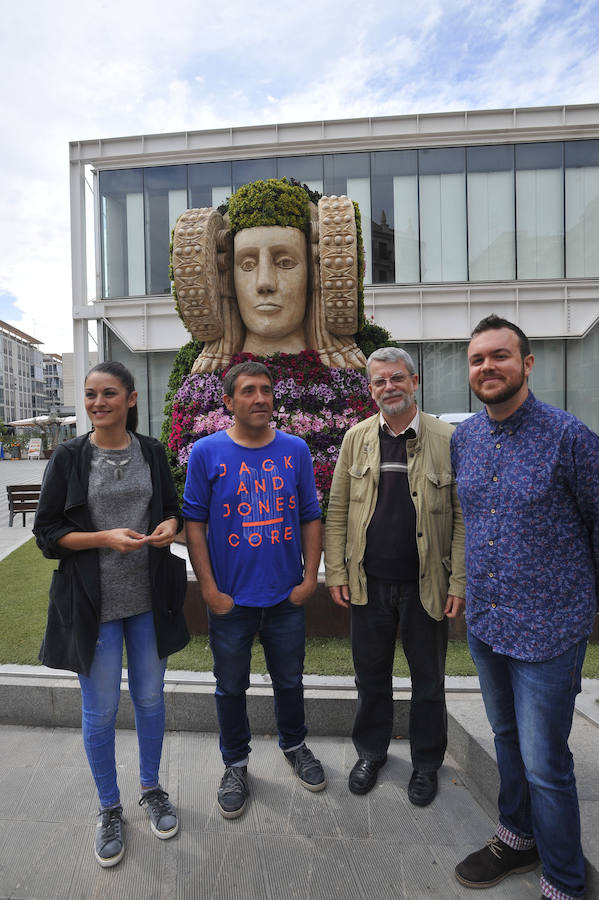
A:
x,y
202,270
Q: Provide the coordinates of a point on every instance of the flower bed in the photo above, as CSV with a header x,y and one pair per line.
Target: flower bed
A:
x,y
311,400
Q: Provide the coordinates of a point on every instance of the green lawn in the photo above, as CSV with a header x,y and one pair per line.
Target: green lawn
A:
x,y
25,577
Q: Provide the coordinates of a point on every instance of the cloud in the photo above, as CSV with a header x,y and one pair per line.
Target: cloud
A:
x,y
143,67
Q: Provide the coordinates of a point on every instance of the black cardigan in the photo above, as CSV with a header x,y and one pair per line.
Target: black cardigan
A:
x,y
75,602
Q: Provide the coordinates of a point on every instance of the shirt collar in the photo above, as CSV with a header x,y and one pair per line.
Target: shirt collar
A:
x,y
414,424
513,422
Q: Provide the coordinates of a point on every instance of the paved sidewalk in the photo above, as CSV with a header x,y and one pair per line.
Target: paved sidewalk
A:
x,y
17,471
289,844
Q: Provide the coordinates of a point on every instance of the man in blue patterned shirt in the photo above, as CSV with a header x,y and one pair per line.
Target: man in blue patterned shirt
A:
x,y
528,486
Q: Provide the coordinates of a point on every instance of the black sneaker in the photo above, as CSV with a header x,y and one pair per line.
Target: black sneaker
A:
x,y
233,791
307,768
494,862
162,813
109,847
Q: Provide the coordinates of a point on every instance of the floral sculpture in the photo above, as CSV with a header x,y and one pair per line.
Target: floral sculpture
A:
x,y
278,277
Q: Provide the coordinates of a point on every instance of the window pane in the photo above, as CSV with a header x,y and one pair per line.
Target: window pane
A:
x,y
547,379
209,184
305,169
349,174
583,378
444,377
122,226
137,365
165,189
582,208
539,210
443,214
394,189
491,237
159,369
247,170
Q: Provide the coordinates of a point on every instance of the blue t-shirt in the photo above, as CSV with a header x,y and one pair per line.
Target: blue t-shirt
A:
x,y
254,500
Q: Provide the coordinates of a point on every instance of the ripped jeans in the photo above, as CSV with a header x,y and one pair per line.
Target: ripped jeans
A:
x,y
100,692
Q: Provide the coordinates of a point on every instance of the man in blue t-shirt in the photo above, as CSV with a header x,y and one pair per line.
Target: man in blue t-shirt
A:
x,y
251,513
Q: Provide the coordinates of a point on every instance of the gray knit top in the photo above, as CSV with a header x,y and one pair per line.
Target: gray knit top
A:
x,y
119,494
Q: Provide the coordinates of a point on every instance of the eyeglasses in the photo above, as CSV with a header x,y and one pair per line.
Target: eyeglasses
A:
x,y
396,379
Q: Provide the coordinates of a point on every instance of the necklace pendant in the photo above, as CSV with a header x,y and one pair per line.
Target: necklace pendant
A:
x,y
118,474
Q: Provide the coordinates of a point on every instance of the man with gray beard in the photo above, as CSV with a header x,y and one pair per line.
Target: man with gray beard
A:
x,y
394,551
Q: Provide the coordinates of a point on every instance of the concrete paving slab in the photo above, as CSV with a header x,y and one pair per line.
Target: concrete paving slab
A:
x,y
289,843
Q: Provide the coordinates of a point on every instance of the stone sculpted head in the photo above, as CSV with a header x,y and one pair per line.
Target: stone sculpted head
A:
x,y
275,274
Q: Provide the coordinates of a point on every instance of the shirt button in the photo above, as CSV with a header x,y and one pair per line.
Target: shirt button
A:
x,y
498,446
414,493
494,605
493,512
419,534
495,478
491,574
491,543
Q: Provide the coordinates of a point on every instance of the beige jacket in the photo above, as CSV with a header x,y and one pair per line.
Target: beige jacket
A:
x,y
439,523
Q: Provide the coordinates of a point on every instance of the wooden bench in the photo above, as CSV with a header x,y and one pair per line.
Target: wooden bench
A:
x,y
22,498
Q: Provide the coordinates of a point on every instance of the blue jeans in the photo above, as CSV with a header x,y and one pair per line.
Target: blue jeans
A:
x,y
530,707
282,634
100,692
424,640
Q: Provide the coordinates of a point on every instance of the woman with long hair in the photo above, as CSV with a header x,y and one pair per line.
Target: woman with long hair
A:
x,y
108,511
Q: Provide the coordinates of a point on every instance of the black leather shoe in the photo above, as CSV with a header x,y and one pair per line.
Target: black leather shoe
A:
x,y
422,788
364,774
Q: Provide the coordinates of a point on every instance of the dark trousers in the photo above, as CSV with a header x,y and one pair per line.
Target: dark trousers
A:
x,y
424,640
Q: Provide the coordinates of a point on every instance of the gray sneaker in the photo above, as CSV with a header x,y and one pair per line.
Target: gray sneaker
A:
x,y
109,847
233,791
307,768
162,813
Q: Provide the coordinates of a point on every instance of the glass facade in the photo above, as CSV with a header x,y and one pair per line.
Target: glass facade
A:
x,y
564,374
150,372
581,160
440,215
446,215
491,213
540,210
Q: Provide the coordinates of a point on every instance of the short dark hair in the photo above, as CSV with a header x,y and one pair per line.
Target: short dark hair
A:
x,y
494,323
243,368
112,367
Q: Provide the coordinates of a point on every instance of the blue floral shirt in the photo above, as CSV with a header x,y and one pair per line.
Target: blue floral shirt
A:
x,y
529,490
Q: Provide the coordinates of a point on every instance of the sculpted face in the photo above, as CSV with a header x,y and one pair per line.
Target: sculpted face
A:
x,y
271,280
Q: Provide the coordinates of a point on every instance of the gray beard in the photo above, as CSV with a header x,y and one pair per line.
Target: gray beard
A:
x,y
396,407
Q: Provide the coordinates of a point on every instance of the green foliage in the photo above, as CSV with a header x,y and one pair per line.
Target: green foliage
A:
x,y
370,337
182,366
272,202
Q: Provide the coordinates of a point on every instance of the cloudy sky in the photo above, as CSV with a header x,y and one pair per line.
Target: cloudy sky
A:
x,y
74,71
